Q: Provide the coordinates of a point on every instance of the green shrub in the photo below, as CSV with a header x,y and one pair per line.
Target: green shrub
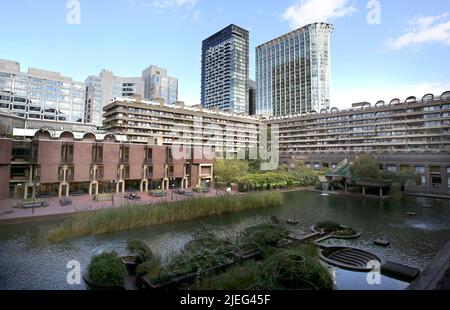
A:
x,y
295,269
328,226
241,277
107,270
152,268
140,250
263,236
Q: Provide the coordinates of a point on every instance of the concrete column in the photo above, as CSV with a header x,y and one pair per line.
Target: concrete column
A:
x,y
364,191
381,192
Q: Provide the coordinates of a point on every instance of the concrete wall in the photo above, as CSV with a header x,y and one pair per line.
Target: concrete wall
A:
x,y
49,157
136,162
82,159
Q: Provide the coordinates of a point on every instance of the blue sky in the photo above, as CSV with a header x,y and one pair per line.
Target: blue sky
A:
x,y
406,54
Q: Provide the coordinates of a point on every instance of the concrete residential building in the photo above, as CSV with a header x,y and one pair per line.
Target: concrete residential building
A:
x,y
64,163
414,134
106,86
158,123
40,94
225,70
293,72
158,85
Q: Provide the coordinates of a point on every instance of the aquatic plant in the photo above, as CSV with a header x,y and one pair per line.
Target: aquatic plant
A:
x,y
129,217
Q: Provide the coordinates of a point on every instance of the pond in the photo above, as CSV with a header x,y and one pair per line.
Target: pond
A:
x,y
28,262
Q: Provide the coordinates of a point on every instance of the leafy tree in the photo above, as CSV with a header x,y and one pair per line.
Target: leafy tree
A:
x,y
229,171
366,167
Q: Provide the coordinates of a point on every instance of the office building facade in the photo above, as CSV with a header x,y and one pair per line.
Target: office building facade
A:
x,y
101,89
40,94
293,72
158,85
225,70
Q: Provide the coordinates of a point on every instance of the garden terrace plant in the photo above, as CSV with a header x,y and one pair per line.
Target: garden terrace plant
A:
x,y
328,227
129,217
140,251
335,229
242,277
106,270
152,268
297,268
262,236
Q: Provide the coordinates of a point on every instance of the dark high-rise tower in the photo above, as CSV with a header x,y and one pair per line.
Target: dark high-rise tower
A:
x,y
225,70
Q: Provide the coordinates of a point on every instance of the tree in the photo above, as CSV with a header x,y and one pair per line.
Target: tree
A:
x,y
229,171
366,167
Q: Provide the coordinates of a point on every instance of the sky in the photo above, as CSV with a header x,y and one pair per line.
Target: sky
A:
x,y
380,49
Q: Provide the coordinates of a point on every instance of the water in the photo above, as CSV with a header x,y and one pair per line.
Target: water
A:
x,y
28,262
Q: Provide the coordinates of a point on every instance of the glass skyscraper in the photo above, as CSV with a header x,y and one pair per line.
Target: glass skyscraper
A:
x,y
159,85
293,72
41,94
225,70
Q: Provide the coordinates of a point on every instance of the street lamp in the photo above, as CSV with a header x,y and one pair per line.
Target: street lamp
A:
x,y
19,186
35,188
113,182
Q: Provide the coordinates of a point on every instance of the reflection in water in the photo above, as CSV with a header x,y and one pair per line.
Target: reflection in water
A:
x,y
28,262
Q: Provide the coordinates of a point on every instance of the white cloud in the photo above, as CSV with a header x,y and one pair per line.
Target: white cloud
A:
x,y
422,30
310,11
343,98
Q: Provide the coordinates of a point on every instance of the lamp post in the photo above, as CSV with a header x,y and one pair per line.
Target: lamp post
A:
x,y
19,186
35,188
113,182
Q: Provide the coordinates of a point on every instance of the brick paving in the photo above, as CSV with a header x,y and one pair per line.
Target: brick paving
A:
x,y
84,203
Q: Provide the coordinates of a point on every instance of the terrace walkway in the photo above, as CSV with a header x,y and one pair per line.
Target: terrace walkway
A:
x,y
9,214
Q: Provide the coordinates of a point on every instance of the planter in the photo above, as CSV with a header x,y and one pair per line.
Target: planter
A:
x,y
254,254
97,287
148,283
129,262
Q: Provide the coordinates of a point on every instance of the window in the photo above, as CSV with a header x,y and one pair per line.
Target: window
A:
x,y
392,168
448,177
149,155
420,171
171,171
67,153
97,153
37,173
126,172
124,154
149,172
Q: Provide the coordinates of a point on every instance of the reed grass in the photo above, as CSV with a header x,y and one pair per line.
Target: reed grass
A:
x,y
129,217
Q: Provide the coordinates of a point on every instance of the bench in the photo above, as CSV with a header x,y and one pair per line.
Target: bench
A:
x,y
36,203
158,193
103,197
65,201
